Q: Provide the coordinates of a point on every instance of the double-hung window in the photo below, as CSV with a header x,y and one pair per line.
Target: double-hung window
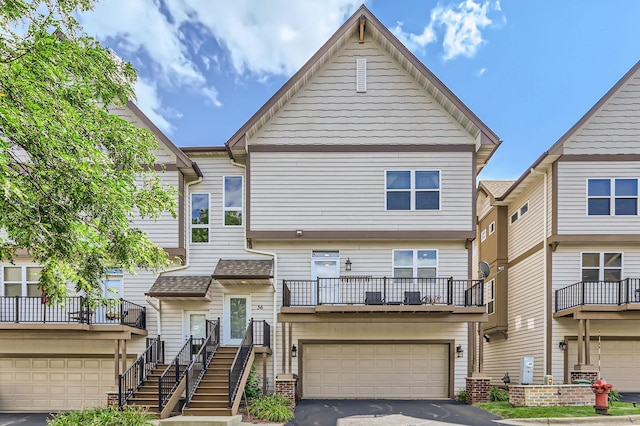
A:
x,y
606,197
232,200
113,283
412,189
601,267
491,295
415,263
200,206
21,281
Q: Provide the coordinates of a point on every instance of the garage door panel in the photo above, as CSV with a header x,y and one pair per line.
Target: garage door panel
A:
x,y
54,384
619,360
409,371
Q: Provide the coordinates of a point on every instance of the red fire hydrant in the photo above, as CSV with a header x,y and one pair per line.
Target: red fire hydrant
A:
x,y
601,388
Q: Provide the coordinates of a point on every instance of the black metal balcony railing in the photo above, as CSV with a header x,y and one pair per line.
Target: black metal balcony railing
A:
x,y
598,293
367,290
71,310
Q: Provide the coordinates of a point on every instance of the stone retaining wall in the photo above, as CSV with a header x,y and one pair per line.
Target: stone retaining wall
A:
x,y
549,395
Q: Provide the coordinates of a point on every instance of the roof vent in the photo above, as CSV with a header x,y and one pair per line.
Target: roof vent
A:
x,y
361,75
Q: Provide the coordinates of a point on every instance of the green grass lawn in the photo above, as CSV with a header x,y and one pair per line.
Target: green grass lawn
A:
x,y
506,411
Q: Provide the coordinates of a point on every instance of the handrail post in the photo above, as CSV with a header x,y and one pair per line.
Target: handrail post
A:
x,y
582,293
384,289
450,291
17,310
318,291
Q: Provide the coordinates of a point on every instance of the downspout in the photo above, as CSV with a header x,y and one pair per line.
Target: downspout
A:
x,y
158,307
544,267
274,341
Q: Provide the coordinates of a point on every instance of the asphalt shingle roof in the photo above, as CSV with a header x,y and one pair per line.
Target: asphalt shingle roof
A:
x,y
180,286
244,268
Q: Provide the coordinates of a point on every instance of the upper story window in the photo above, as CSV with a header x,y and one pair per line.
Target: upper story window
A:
x,y
21,281
232,200
492,228
415,263
520,212
113,283
491,295
200,206
606,197
483,235
601,267
413,190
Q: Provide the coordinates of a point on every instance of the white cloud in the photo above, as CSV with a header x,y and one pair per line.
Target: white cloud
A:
x,y
462,24
481,71
259,38
274,37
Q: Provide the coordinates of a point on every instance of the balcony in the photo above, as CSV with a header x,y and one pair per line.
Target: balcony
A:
x,y
73,313
374,295
599,300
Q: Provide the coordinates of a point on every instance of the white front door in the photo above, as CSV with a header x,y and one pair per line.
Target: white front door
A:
x,y
325,264
194,324
237,313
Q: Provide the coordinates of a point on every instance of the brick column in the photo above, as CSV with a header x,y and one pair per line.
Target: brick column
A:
x,y
286,387
478,389
112,398
592,376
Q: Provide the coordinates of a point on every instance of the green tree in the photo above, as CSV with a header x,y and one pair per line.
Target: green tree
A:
x,y
72,175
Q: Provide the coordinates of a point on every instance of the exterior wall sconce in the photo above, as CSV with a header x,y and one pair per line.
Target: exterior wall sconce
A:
x,y
299,233
294,351
347,265
562,345
459,351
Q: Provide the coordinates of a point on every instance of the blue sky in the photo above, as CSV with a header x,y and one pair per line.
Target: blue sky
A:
x,y
529,69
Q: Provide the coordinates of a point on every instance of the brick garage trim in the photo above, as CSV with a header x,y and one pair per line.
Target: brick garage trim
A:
x,y
287,388
478,389
553,395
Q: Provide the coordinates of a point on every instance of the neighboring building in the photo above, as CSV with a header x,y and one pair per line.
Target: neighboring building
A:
x,y
568,234
342,214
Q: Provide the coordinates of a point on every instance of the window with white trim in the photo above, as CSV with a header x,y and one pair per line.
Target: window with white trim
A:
x,y
491,293
601,267
200,206
412,189
415,263
483,235
232,200
612,197
492,228
21,281
520,212
113,284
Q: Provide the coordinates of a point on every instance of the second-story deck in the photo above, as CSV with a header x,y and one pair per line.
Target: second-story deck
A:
x,y
439,297
71,314
599,299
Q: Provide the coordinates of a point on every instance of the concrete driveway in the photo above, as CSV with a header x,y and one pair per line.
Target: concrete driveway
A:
x,y
332,412
19,419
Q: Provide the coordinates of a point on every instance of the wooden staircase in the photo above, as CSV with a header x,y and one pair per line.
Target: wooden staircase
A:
x,y
212,396
147,394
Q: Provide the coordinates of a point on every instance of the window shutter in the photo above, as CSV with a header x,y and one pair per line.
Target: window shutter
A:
x,y
361,75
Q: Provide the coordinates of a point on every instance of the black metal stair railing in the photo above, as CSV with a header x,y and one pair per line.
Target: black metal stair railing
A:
x,y
240,363
137,373
198,367
173,374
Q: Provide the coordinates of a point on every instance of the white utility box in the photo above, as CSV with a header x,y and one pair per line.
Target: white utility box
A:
x,y
526,370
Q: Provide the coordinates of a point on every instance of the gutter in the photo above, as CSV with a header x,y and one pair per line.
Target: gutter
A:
x,y
274,341
158,307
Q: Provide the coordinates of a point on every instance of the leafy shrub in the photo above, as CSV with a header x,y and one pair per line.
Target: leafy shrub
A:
x,y
273,408
253,387
498,394
614,396
461,395
108,416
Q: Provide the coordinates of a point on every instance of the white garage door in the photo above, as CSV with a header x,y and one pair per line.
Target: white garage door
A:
x,y
377,371
54,384
619,361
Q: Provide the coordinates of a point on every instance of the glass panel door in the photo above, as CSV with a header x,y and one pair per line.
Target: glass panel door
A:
x,y
237,316
325,265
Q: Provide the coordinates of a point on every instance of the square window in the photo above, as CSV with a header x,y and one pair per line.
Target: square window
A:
x,y
412,190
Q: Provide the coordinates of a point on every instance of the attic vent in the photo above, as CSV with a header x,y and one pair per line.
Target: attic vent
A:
x,y
361,75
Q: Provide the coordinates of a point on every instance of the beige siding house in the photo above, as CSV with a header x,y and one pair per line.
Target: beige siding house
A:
x,y
570,289
334,233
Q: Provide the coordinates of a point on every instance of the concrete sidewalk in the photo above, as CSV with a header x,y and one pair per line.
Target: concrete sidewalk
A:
x,y
583,421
